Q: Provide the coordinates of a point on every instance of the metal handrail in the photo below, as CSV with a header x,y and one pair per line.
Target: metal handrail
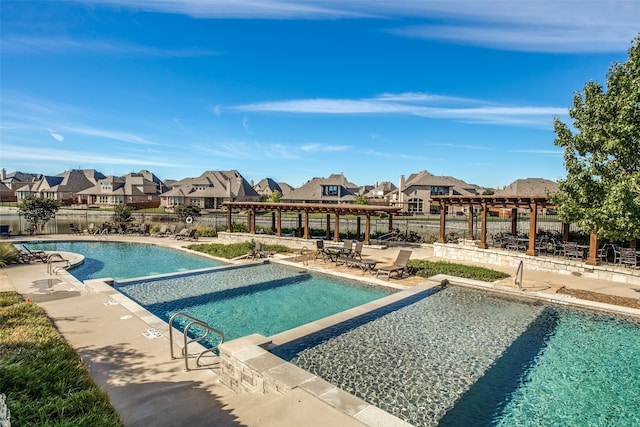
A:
x,y
519,273
50,258
194,322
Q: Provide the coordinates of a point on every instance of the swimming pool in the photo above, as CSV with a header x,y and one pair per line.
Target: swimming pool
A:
x,y
123,260
242,300
468,357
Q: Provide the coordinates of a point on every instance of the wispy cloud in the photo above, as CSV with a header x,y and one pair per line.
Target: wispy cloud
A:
x,y
463,146
423,105
75,157
538,26
56,136
22,44
326,148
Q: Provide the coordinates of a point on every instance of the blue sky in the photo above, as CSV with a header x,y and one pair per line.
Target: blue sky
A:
x,y
293,90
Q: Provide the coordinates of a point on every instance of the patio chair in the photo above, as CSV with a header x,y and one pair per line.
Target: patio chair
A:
x,y
399,266
27,255
572,250
321,251
257,252
351,259
181,234
162,232
74,229
603,253
628,257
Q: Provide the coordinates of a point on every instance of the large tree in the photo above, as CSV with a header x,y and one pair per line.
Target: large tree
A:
x,y
37,211
601,192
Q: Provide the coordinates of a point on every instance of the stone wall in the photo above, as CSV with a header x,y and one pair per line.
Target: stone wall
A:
x,y
471,253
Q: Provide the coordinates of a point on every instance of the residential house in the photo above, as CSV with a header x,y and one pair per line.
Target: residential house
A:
x,y
12,182
63,187
525,187
414,193
210,190
381,193
267,186
335,189
140,190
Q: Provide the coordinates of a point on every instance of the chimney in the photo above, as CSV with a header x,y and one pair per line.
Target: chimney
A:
x,y
229,188
4,174
400,191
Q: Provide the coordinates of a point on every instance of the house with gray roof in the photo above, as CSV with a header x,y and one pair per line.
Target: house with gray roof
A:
x,y
334,189
63,187
529,187
210,190
267,186
11,182
380,193
414,193
140,190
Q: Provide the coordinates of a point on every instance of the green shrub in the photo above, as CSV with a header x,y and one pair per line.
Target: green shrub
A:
x,y
8,254
206,231
238,227
426,268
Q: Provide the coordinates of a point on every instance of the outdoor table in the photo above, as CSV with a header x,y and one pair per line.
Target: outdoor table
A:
x,y
367,265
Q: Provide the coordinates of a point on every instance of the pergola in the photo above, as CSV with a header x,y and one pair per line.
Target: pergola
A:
x,y
305,209
533,203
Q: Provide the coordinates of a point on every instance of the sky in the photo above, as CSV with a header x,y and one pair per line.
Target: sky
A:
x,y
293,89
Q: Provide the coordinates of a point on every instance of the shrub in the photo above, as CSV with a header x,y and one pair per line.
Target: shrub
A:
x,y
238,227
426,268
8,254
206,231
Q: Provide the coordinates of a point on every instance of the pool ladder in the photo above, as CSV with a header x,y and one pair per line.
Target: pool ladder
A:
x,y
518,278
185,353
51,258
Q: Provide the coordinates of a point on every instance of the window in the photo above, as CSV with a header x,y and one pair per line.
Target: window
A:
x,y
330,190
439,191
415,205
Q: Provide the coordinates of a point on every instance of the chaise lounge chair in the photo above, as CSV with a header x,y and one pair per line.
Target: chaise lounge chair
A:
x,y
257,252
399,266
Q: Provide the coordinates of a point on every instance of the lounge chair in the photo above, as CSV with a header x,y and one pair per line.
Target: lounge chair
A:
x,y
257,252
74,229
351,259
27,255
181,234
190,234
162,232
399,266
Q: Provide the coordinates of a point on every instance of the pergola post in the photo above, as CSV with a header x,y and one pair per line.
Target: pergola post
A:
x,y
229,219
533,228
483,226
470,223
336,228
299,231
565,232
358,227
273,222
514,221
328,234
249,220
390,223
443,223
306,223
593,250
367,229
279,223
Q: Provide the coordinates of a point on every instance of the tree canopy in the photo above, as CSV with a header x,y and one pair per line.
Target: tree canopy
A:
x,y
37,211
601,192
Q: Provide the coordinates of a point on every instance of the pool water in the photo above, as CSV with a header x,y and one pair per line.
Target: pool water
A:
x,y
266,298
467,357
122,260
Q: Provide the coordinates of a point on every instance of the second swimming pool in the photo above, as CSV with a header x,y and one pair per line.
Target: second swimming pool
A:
x,y
266,298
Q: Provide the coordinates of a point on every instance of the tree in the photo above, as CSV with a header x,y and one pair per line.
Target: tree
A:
x,y
37,211
601,192
275,197
122,214
488,192
360,200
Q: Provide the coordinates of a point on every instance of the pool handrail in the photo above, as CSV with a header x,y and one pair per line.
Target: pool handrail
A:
x,y
185,354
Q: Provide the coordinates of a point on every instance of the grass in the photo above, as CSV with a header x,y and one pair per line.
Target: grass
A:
x,y
431,268
234,250
44,380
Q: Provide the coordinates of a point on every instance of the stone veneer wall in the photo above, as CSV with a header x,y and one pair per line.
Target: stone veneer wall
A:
x,y
470,253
